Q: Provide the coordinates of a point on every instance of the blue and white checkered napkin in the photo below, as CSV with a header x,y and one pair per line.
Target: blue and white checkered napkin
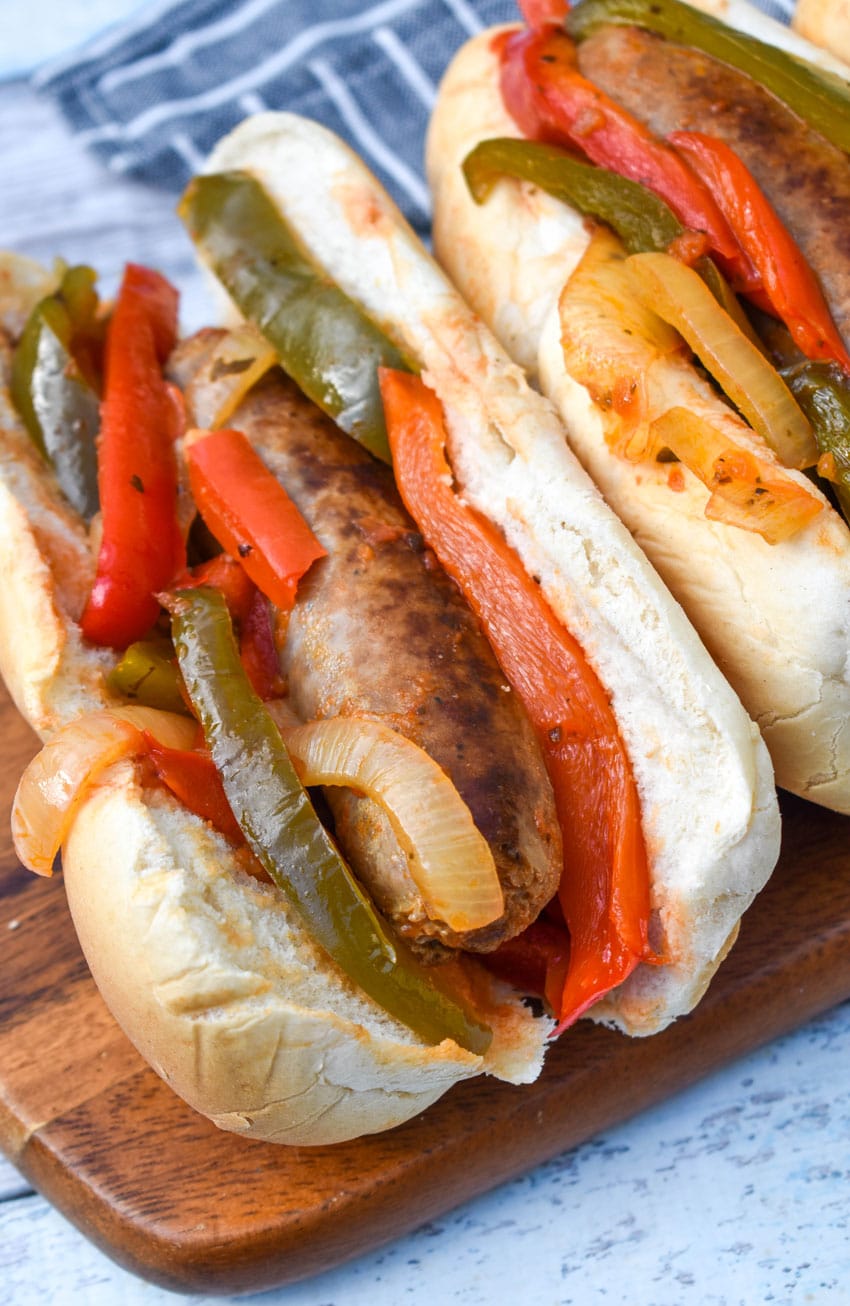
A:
x,y
152,95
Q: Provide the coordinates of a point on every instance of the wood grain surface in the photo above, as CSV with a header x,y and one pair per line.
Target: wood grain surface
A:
x,y
175,1200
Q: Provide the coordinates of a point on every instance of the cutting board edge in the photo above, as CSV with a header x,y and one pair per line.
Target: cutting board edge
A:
x,y
197,1268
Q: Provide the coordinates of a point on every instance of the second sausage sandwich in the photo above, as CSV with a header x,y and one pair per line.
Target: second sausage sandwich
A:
x,y
599,194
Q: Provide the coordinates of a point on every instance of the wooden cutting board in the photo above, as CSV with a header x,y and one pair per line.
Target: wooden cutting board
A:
x,y
173,1199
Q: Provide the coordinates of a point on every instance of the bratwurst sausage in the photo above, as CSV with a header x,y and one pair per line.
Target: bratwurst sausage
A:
x,y
807,178
380,632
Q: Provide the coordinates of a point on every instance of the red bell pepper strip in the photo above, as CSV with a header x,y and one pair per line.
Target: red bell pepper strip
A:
x,y
550,101
249,610
225,574
194,779
539,13
257,649
534,962
604,888
790,284
250,513
141,417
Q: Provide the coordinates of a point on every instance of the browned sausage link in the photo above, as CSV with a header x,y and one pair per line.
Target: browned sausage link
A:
x,y
806,177
379,631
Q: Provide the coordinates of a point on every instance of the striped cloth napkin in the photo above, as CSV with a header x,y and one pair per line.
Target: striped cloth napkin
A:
x,y
152,95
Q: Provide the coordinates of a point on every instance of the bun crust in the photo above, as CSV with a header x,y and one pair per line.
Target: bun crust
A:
x,y
776,618
703,773
214,979
47,568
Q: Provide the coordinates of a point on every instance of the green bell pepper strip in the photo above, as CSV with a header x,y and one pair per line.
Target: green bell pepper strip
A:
x,y
822,100
53,389
88,328
823,392
148,674
277,818
641,220
327,344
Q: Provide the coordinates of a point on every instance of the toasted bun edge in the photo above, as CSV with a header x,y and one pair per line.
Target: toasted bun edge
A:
x,y
217,983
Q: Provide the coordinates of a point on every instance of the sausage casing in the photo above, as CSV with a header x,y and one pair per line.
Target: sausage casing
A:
x,y
807,179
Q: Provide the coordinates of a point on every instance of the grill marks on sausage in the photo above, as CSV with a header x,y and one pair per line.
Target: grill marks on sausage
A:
x,y
379,631
806,177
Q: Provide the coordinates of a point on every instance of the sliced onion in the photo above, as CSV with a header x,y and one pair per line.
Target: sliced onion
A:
x,y
237,362
449,859
56,780
614,345
680,296
284,717
637,369
746,491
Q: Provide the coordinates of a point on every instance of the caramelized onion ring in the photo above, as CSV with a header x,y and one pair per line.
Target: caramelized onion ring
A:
x,y
449,859
54,783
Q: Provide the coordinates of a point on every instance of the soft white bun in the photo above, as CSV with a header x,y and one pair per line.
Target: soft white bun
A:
x,y
776,618
217,983
47,570
704,776
826,23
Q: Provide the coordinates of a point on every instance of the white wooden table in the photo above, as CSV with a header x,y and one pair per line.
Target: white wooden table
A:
x,y
732,1194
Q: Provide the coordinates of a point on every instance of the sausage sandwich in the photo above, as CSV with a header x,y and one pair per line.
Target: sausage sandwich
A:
x,y
649,207
531,769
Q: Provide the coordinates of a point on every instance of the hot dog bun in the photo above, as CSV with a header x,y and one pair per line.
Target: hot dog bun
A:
x,y
826,23
48,569
207,970
775,617
218,984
